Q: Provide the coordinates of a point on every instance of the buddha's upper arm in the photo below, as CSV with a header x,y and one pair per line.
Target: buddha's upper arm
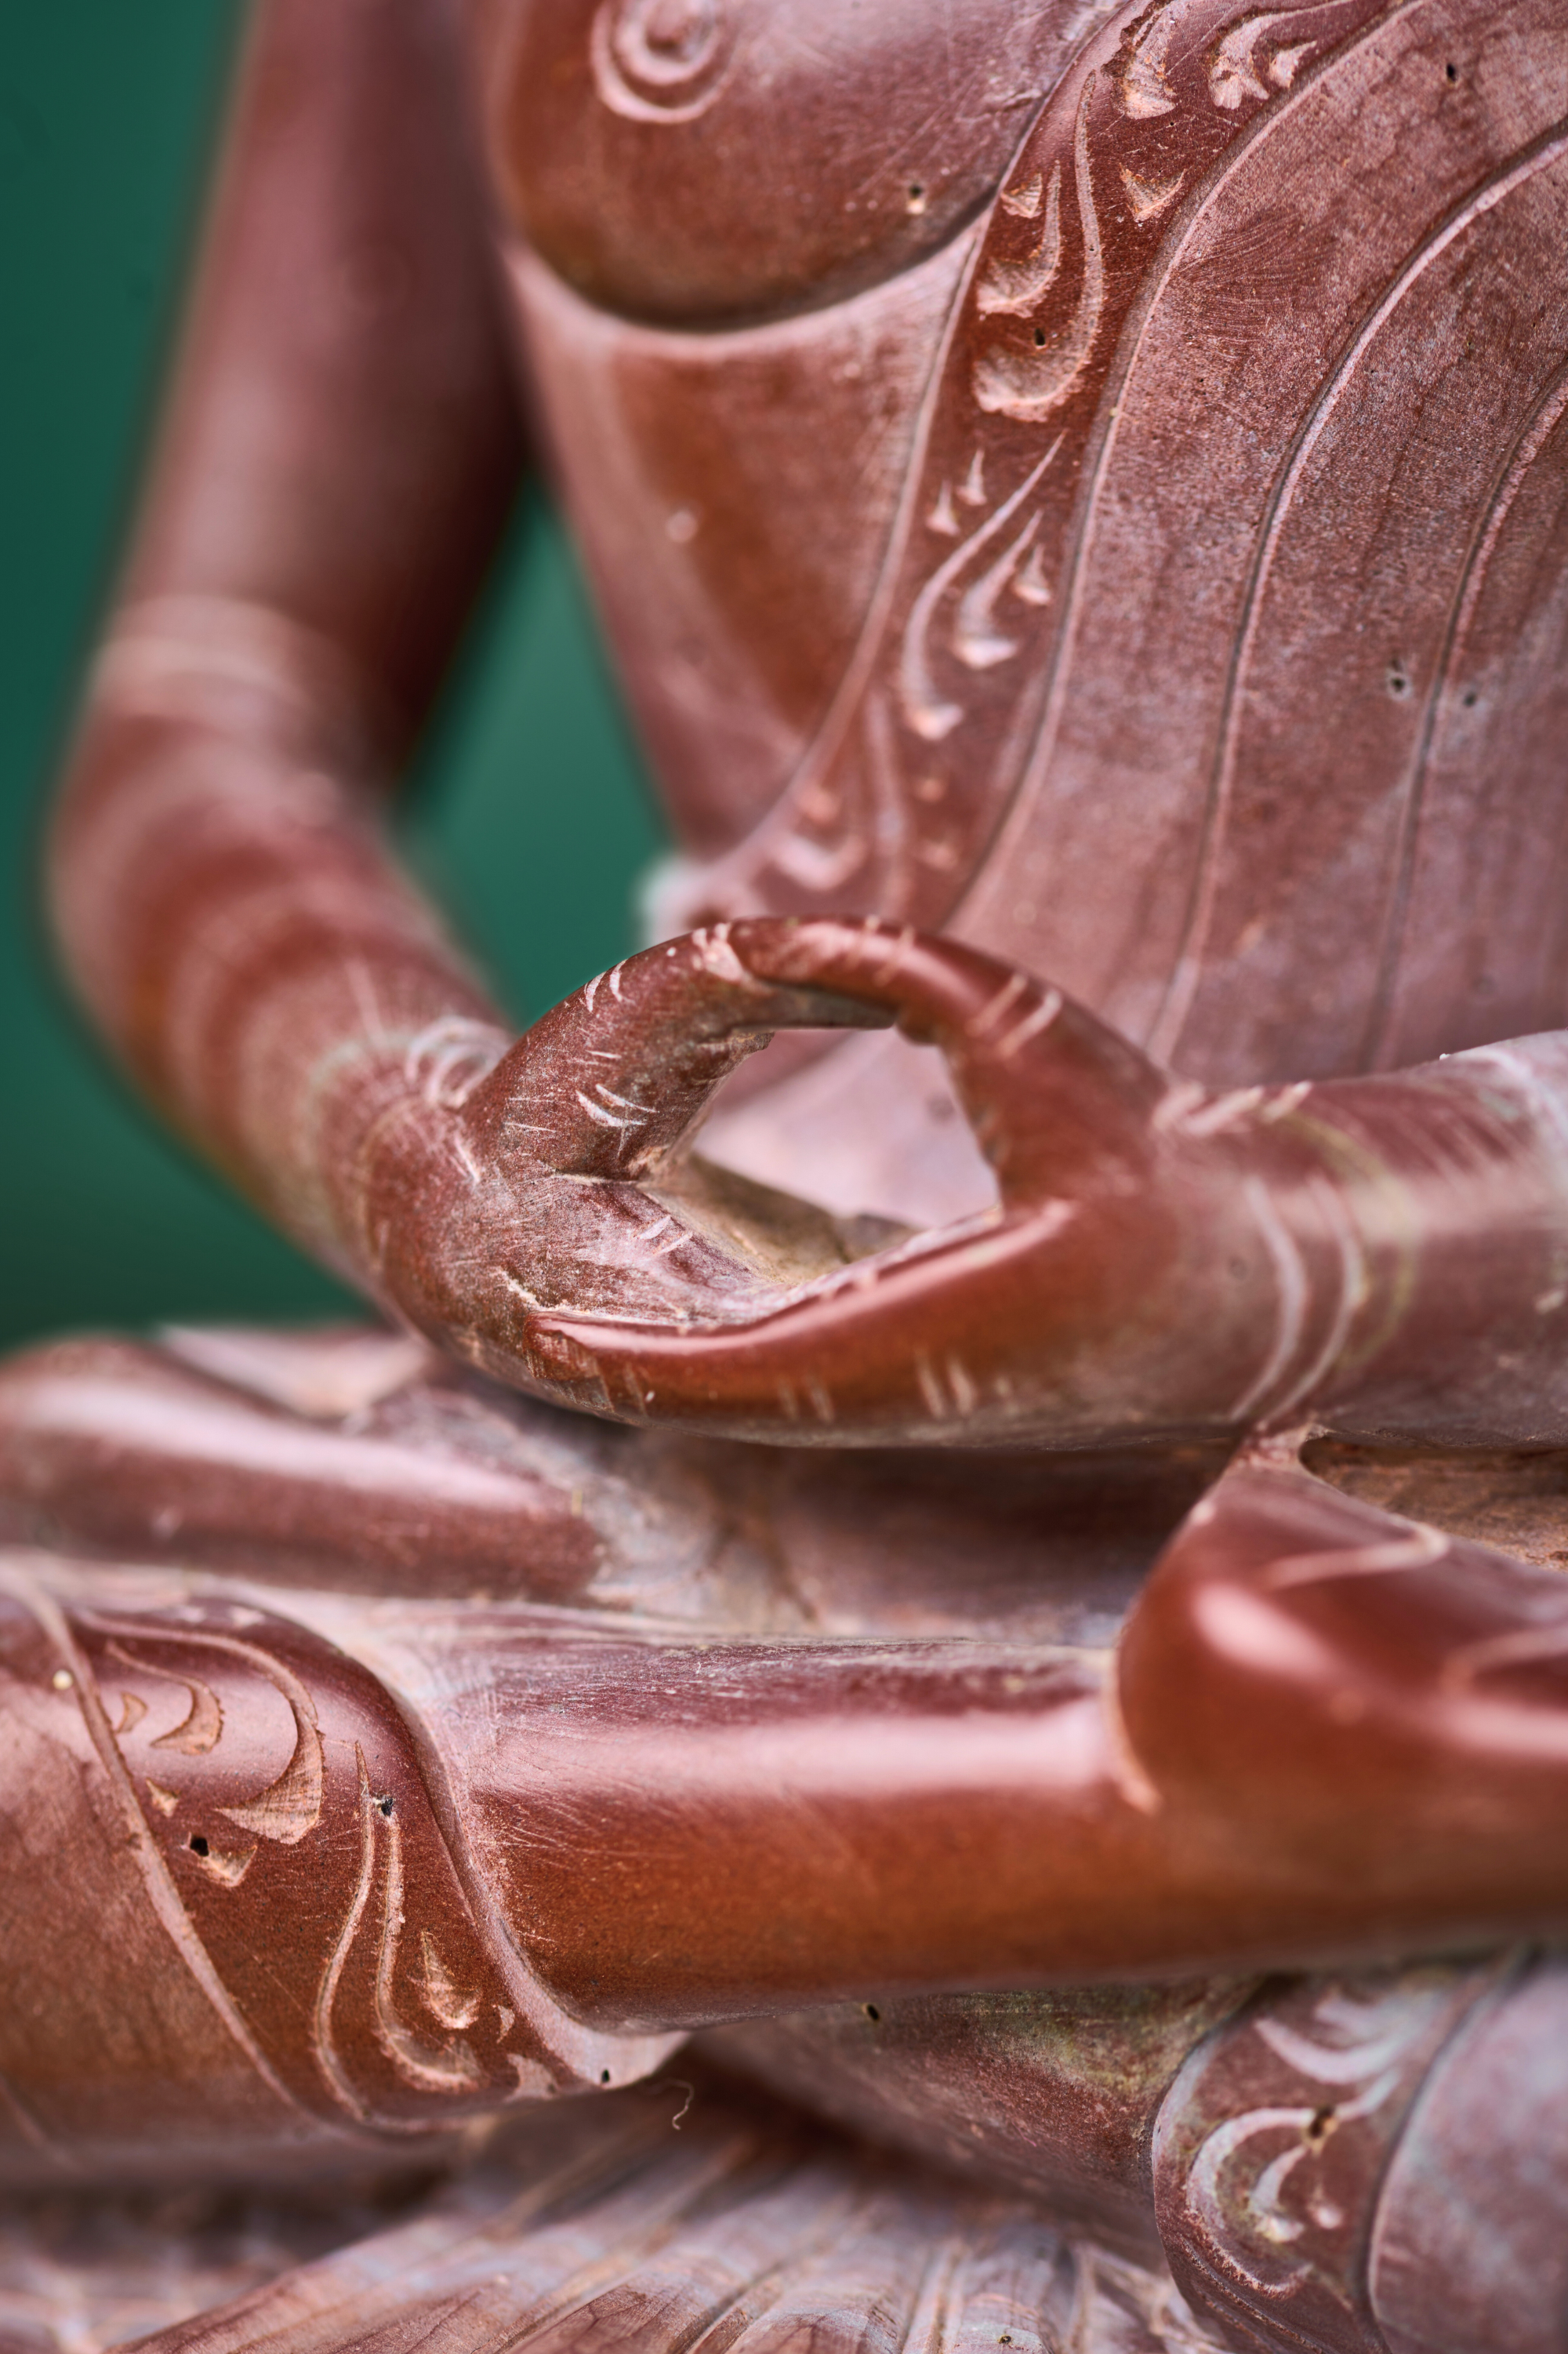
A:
x,y
340,442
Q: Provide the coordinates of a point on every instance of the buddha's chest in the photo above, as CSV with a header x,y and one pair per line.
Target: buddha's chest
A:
x,y
1088,476
699,162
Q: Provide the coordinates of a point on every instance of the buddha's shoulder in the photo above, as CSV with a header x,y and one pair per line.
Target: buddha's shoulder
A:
x,y
704,160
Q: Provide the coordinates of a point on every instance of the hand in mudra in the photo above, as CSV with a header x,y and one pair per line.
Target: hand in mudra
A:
x,y
1131,1279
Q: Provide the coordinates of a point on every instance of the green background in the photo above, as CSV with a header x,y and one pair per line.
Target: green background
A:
x,y
528,814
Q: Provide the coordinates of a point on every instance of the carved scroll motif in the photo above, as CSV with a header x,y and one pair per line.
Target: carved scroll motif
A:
x,y
894,804
1274,2137
277,1786
662,61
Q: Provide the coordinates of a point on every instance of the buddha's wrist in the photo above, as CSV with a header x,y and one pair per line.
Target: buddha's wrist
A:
x,y
382,1140
1442,1194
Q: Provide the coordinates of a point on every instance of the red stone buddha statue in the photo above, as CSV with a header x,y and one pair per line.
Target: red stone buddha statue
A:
x,y
1016,1593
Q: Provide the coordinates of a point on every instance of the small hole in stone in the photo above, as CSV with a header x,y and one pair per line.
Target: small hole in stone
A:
x,y
604,2076
1470,698
1450,73
915,201
1039,338
198,1845
1398,681
1319,2127
385,1805
871,2011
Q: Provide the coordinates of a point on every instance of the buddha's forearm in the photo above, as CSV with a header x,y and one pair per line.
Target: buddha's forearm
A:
x,y
236,923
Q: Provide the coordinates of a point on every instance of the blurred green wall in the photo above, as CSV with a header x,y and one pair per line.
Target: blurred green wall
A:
x,y
107,116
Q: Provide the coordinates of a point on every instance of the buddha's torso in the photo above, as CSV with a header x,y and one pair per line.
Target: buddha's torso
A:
x,y
1123,527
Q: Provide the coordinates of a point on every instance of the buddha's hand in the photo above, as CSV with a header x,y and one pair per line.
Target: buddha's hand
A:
x,y
1161,1260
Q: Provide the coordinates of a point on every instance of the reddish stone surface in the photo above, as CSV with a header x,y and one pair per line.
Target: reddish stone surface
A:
x,y
1049,1645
